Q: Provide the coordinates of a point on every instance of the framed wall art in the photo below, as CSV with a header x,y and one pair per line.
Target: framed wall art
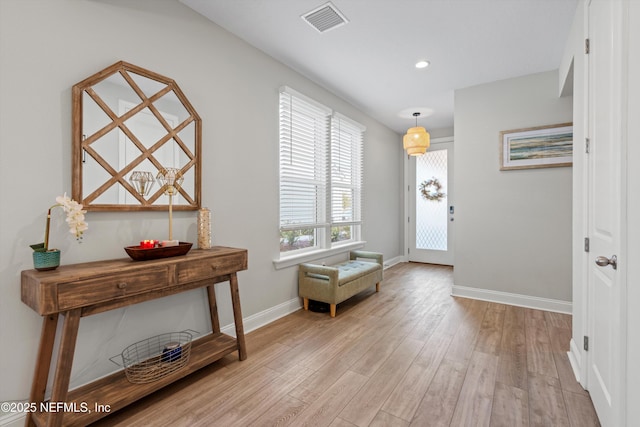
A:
x,y
537,147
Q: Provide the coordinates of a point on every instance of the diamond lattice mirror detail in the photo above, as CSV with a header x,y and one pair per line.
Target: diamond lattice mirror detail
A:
x,y
130,122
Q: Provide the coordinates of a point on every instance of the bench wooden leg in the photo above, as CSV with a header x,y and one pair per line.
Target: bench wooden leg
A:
x,y
332,309
378,287
305,303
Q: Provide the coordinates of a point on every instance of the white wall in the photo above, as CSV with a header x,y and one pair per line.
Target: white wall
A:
x,y
440,133
513,228
48,46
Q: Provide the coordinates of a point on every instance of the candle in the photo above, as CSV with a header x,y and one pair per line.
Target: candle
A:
x,y
147,244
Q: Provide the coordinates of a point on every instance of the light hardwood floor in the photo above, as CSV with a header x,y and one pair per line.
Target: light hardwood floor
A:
x,y
410,355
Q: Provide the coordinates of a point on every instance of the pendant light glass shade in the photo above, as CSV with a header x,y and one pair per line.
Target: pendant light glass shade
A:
x,y
417,139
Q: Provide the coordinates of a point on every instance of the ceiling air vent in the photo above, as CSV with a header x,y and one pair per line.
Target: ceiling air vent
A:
x,y
325,18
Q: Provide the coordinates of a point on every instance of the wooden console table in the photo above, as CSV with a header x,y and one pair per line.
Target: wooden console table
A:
x,y
84,289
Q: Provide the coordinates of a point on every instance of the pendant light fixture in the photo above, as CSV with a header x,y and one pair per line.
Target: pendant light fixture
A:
x,y
417,139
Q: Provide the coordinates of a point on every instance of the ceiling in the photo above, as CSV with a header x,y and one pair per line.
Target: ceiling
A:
x,y
370,60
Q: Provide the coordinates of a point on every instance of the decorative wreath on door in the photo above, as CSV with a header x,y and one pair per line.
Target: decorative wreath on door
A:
x,y
431,190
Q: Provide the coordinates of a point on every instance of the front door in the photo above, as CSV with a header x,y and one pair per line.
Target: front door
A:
x,y
606,293
431,204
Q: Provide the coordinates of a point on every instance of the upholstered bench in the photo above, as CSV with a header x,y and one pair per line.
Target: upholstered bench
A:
x,y
336,283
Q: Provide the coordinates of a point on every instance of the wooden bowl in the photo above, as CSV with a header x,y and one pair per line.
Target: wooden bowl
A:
x,y
138,254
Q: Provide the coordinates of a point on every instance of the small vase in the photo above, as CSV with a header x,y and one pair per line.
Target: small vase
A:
x,y
49,260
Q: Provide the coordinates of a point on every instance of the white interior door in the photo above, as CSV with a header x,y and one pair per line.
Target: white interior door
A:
x,y
431,205
606,326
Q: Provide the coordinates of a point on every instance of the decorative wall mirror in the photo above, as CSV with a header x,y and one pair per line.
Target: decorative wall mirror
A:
x,y
129,124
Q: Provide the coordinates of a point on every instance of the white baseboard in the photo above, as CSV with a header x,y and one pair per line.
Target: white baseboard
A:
x,y
265,317
393,261
527,301
12,419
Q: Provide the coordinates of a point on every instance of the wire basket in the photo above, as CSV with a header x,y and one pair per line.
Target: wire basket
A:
x,y
156,357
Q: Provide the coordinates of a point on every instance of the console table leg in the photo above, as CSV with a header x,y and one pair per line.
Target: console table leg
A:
x,y
65,360
43,362
237,317
213,309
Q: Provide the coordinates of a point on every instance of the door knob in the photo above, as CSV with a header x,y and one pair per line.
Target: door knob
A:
x,y
603,261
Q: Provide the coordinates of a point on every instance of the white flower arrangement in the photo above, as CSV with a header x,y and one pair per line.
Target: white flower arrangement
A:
x,y
75,220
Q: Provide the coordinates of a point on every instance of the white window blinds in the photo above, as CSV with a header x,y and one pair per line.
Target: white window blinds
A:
x,y
304,130
346,171
320,175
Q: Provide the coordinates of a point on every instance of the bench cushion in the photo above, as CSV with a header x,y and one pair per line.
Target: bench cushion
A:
x,y
351,270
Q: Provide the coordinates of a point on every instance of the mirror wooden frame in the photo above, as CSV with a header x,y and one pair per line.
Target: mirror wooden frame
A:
x,y
82,144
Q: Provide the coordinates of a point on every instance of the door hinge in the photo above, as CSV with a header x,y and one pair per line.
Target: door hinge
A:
x,y
586,343
586,244
408,219
586,46
408,251
587,145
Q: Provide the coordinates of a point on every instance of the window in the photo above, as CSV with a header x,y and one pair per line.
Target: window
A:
x,y
320,176
346,179
304,131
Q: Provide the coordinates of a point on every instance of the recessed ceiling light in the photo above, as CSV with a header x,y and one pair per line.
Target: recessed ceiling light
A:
x,y
422,64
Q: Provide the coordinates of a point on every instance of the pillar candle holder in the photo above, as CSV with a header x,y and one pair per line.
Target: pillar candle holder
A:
x,y
204,228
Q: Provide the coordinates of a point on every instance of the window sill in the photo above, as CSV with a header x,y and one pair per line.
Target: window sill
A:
x,y
290,261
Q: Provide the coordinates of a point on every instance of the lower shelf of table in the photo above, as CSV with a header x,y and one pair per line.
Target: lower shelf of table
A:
x,y
117,392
